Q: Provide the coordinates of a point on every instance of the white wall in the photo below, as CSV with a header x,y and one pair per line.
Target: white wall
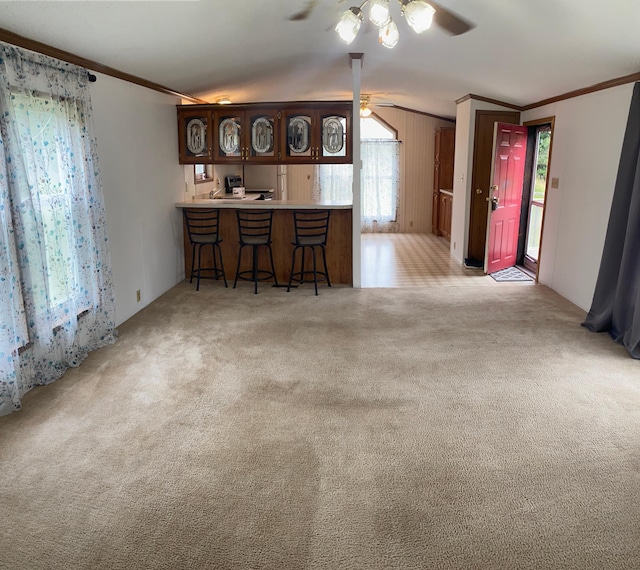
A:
x,y
462,172
137,137
587,141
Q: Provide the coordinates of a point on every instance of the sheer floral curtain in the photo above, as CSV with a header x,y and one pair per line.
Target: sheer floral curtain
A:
x,y
56,290
380,184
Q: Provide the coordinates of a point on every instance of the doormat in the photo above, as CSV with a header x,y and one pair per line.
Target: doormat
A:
x,y
510,274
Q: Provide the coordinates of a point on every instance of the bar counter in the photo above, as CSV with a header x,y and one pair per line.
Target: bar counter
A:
x,y
339,240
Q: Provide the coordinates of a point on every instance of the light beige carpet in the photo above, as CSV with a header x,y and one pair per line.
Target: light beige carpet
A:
x,y
362,429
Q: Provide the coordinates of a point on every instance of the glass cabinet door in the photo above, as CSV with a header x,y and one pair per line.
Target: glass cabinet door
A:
x,y
263,136
228,136
333,133
298,137
194,137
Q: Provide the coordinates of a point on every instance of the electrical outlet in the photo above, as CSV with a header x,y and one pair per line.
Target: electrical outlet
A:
x,y
138,296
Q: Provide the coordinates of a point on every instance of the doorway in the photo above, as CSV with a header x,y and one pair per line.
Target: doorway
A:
x,y
536,183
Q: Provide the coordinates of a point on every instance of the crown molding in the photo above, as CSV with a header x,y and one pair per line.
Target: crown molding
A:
x,y
632,78
488,100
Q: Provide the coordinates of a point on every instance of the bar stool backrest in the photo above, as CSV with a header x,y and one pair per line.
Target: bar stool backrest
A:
x,y
254,226
311,226
202,225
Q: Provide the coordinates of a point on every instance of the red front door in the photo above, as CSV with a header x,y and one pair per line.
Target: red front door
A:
x,y
507,176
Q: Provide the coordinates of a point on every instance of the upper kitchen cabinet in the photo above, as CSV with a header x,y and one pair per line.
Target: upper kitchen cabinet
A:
x,y
316,135
244,134
194,136
268,133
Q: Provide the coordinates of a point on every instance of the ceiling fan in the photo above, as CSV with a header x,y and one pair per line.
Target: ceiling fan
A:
x,y
419,11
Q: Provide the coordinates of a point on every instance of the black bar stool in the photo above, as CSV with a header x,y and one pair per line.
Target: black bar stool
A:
x,y
254,227
203,227
311,228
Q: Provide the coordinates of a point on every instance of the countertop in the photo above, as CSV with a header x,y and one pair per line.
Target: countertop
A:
x,y
230,203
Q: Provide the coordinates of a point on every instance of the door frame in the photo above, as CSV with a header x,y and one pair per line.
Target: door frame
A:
x,y
532,124
481,177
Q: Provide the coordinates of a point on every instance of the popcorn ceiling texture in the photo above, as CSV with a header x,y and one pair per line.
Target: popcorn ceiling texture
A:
x,y
441,427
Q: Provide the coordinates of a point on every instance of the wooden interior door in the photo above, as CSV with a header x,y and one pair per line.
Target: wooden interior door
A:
x,y
505,201
481,179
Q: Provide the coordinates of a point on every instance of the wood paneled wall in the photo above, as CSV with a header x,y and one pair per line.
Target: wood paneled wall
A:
x,y
417,133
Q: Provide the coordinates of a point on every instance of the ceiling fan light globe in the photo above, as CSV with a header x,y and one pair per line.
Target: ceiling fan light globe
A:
x,y
364,106
379,13
349,24
389,35
419,15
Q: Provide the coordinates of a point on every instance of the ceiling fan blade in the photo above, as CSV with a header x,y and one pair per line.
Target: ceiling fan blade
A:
x,y
304,13
450,21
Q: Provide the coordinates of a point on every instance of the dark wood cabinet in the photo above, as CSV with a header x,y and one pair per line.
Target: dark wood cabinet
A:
x,y
194,136
444,215
267,133
443,181
316,135
245,135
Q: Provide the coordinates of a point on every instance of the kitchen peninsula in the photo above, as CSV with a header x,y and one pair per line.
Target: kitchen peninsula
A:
x,y
339,241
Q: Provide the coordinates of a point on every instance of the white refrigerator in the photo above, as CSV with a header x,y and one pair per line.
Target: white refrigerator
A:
x,y
266,177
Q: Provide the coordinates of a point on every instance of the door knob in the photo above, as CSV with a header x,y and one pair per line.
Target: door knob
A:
x,y
478,190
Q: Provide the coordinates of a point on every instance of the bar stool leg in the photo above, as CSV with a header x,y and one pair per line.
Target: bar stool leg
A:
x,y
193,261
224,276
215,261
238,266
255,269
326,270
293,263
315,272
273,267
199,266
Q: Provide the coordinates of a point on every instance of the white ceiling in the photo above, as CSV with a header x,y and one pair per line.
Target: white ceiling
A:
x,y
521,51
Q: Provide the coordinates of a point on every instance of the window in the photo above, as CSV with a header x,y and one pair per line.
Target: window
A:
x,y
379,178
202,173
44,124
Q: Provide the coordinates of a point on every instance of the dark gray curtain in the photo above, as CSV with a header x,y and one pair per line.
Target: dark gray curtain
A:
x,y
616,301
